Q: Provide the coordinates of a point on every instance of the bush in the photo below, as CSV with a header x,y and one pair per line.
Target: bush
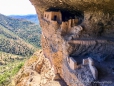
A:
x,y
6,76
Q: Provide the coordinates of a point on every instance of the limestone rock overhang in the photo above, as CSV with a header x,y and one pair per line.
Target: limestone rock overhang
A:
x,y
72,5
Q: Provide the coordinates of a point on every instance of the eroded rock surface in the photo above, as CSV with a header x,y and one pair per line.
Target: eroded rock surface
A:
x,y
37,71
85,28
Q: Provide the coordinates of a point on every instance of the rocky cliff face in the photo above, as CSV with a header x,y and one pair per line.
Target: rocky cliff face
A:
x,y
85,28
37,71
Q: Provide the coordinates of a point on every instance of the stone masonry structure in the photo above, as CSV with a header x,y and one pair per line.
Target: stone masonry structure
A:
x,y
53,16
88,61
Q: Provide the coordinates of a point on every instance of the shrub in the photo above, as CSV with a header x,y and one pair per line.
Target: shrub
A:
x,y
6,76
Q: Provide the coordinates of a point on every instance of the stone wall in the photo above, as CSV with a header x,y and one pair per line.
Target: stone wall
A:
x,y
92,67
49,16
72,63
59,16
64,26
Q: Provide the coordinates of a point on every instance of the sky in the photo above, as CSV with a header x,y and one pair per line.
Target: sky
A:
x,y
16,7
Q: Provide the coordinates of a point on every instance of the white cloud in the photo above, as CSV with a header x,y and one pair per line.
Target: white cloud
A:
x,y
16,7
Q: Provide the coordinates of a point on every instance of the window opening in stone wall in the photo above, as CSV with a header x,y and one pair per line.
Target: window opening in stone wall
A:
x,y
55,17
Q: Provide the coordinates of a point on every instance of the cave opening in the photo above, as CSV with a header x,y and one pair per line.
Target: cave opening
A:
x,y
67,14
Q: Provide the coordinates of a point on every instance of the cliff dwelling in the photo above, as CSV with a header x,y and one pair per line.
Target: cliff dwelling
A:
x,y
69,21
82,44
72,31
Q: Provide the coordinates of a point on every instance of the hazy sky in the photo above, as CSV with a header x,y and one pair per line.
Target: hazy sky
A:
x,y
16,7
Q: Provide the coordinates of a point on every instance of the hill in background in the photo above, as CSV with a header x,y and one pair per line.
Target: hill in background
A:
x,y
33,17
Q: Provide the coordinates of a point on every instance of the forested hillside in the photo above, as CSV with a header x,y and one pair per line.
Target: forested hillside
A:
x,y
26,30
18,41
11,43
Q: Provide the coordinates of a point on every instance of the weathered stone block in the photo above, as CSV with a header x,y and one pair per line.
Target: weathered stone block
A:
x,y
72,63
